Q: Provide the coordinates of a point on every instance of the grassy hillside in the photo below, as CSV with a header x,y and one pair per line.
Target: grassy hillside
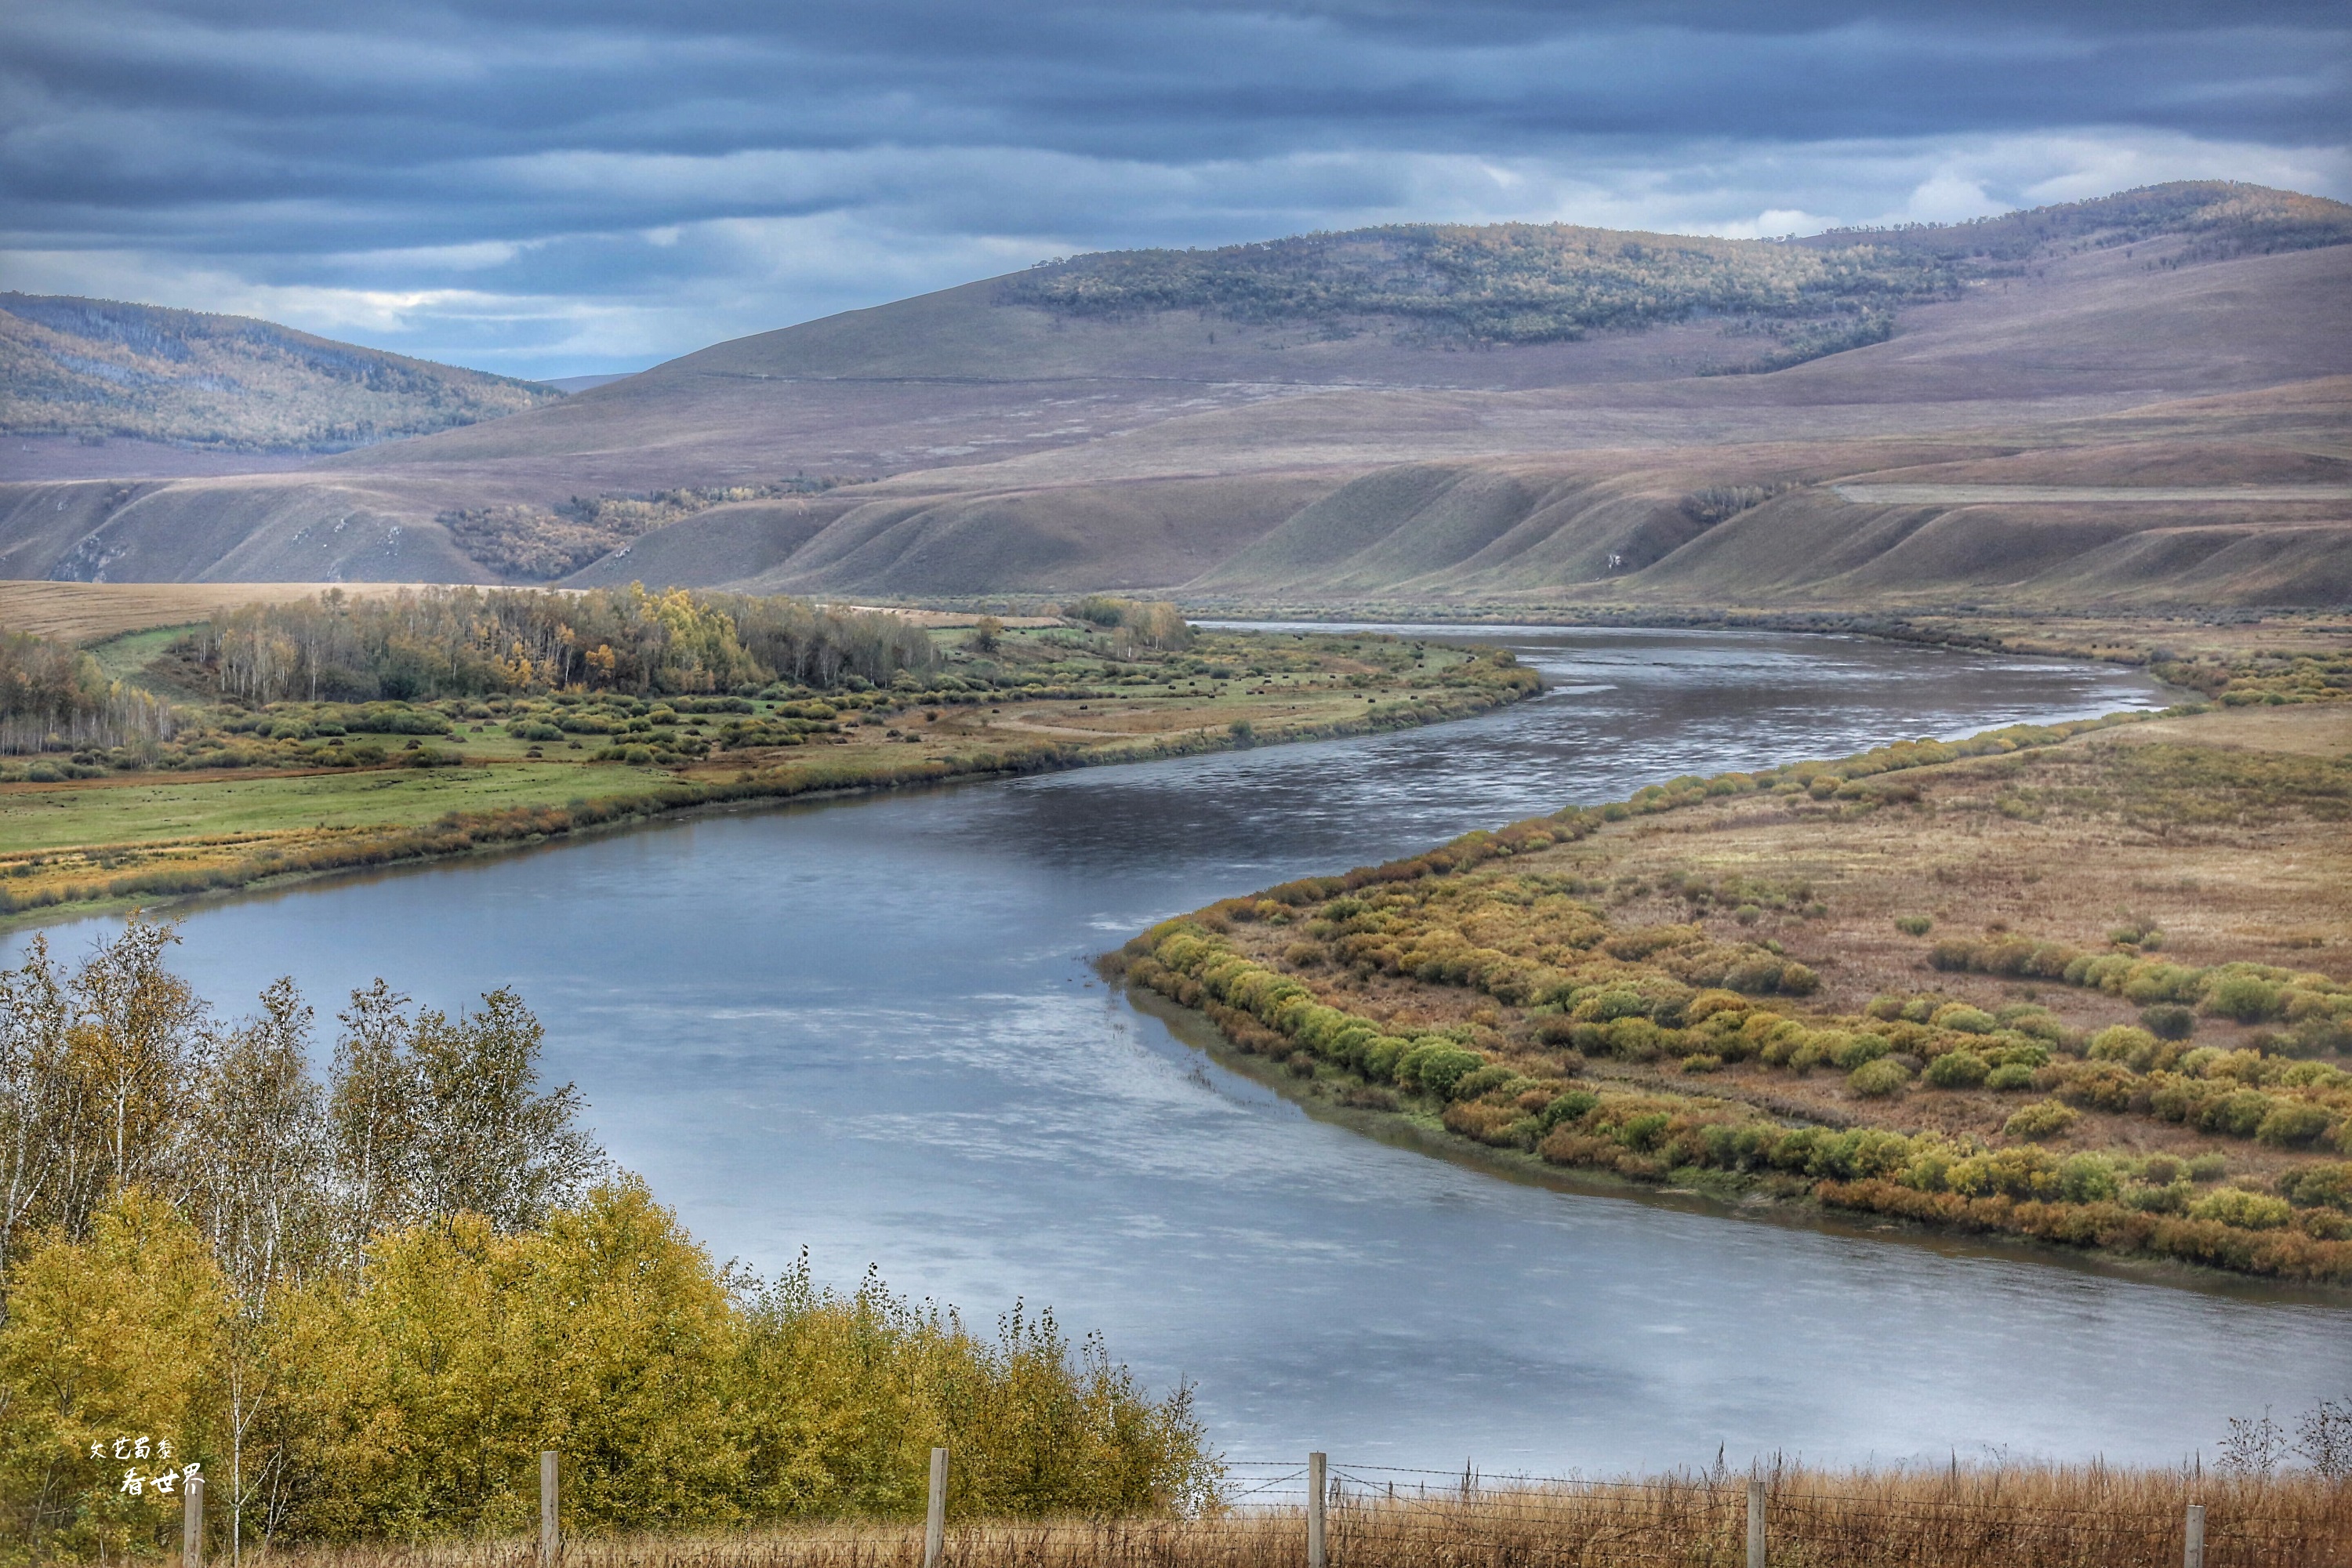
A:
x,y
96,368
1418,415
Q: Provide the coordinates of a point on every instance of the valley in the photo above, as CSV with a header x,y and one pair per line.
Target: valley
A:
x,y
1235,442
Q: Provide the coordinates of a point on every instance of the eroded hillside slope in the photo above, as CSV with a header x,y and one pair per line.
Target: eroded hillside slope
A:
x,y
1416,415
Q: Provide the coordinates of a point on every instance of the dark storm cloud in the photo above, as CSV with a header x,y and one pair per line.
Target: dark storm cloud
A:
x,y
539,151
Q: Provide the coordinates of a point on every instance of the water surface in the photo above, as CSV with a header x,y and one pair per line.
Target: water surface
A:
x,y
867,1028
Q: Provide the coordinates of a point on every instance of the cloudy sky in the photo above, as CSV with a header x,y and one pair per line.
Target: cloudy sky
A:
x,y
555,189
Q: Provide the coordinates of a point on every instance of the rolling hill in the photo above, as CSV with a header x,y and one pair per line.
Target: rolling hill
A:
x,y
1513,416
98,368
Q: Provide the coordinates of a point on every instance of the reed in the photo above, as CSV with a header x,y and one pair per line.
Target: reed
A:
x,y
2004,1517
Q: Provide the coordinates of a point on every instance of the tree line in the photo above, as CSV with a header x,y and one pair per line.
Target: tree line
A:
x,y
466,642
363,1303
48,689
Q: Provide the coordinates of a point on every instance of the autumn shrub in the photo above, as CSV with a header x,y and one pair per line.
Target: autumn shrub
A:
x,y
1855,1050
2044,1118
2292,1123
1878,1078
2245,1210
1957,1070
2246,998
2135,1047
2325,1185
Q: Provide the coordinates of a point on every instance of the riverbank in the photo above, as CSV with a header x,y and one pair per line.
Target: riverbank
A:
x,y
298,790
2085,984
2231,657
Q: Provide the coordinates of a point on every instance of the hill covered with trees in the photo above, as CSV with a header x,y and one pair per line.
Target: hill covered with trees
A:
x,y
98,368
1529,283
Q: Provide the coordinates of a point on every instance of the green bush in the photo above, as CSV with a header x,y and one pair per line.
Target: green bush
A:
x,y
1435,1066
1961,1018
1914,925
2169,1021
2044,1118
1959,1069
1570,1106
2247,1211
2244,998
1482,1082
2088,1179
2290,1123
2009,1077
1876,1079
2135,1047
2209,1167
2324,1185
2241,1115
1858,1050
2171,1197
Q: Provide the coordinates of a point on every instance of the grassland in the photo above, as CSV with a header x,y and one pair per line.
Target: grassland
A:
x,y
99,612
2090,984
299,788
2093,1516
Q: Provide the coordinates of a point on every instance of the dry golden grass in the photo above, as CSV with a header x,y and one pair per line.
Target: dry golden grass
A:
x,y
2083,1517
2226,831
90,612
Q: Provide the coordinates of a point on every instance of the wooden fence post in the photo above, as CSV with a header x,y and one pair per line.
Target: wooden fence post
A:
x,y
935,1522
551,1532
1316,1466
1755,1522
192,1523
2192,1552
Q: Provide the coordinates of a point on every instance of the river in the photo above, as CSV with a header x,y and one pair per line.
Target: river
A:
x,y
869,1028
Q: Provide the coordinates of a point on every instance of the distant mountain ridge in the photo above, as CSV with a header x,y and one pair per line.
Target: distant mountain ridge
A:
x,y
1367,420
1531,283
2220,218
96,368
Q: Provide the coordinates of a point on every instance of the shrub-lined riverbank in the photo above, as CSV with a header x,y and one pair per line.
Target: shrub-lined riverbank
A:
x,y
232,791
2082,984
